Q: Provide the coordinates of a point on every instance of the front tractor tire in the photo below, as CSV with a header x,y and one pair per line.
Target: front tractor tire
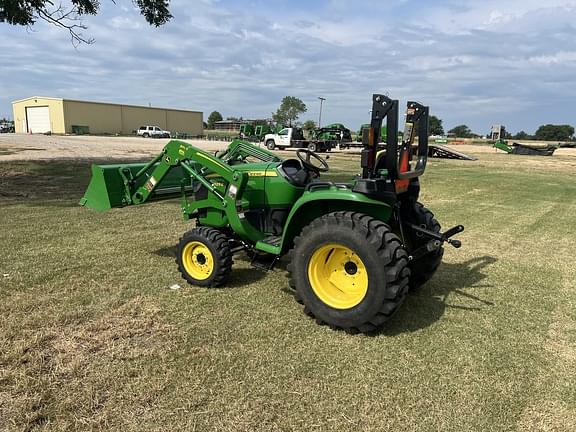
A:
x,y
424,268
350,271
204,257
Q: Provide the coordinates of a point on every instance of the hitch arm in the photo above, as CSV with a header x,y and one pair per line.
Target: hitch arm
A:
x,y
441,237
436,240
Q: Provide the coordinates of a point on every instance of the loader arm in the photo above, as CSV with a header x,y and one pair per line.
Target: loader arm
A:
x,y
171,172
178,153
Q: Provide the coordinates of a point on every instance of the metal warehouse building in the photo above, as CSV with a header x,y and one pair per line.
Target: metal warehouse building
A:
x,y
65,116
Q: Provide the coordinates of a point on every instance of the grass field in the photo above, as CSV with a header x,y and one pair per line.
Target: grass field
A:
x,y
92,336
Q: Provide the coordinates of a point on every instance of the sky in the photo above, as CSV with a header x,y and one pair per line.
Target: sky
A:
x,y
473,62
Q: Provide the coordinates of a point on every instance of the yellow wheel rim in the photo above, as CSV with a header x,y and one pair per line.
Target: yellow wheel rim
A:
x,y
197,260
338,276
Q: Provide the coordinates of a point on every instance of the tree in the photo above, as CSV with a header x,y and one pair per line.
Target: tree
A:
x,y
68,15
214,117
551,132
289,110
435,125
522,136
461,131
309,125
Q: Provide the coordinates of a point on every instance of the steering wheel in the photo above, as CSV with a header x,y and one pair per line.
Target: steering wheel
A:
x,y
306,157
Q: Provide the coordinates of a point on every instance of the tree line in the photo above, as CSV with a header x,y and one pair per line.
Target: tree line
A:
x,y
292,107
547,132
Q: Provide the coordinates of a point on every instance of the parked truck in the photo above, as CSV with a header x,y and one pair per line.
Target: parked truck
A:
x,y
294,138
152,132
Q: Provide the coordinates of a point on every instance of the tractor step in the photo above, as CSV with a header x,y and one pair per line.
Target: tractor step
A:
x,y
265,262
272,240
270,244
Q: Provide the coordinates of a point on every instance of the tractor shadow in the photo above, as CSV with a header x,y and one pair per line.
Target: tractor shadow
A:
x,y
426,305
240,277
166,252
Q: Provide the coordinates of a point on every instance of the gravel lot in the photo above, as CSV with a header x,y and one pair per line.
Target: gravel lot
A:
x,y
34,147
42,147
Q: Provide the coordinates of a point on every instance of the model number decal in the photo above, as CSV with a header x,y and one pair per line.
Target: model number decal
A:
x,y
262,174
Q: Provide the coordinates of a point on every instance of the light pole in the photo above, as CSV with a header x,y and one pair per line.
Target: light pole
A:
x,y
320,115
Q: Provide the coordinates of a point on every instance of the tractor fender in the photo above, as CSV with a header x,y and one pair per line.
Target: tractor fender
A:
x,y
316,203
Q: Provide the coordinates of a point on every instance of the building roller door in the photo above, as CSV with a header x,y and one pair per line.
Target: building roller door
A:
x,y
38,119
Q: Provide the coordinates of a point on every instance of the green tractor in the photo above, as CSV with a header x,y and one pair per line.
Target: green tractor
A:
x,y
261,130
353,249
256,133
383,135
247,131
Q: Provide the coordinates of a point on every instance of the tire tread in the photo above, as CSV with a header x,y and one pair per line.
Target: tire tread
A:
x,y
390,250
223,255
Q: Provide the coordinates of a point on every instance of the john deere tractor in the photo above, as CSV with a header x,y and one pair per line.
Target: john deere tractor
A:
x,y
353,249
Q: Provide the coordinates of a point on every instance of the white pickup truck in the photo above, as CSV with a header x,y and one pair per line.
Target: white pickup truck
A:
x,y
293,137
152,132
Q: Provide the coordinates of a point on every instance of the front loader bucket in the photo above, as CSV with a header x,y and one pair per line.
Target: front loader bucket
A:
x,y
106,189
109,186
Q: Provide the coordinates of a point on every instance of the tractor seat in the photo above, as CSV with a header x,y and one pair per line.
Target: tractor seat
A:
x,y
292,170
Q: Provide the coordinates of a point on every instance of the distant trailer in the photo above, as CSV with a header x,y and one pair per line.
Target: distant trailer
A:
x,y
443,152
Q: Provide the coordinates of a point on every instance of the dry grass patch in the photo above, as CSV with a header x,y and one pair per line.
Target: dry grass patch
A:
x,y
63,374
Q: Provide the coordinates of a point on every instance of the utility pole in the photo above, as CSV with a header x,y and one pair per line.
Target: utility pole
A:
x,y
320,115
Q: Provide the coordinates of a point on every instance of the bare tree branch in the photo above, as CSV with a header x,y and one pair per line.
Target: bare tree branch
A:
x,y
67,19
27,12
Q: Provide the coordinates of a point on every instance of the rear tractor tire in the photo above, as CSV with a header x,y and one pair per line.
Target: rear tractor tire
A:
x,y
350,271
422,270
204,257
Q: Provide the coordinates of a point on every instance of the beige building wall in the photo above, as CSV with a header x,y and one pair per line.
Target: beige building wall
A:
x,y
99,117
104,118
55,105
133,117
185,121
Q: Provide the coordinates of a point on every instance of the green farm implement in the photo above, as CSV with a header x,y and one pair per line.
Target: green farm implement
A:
x,y
255,133
336,133
499,132
353,249
522,149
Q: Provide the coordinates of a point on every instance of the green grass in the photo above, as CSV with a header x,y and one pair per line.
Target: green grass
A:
x,y
92,337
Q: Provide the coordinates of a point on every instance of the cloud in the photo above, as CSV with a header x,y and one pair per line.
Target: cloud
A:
x,y
476,63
